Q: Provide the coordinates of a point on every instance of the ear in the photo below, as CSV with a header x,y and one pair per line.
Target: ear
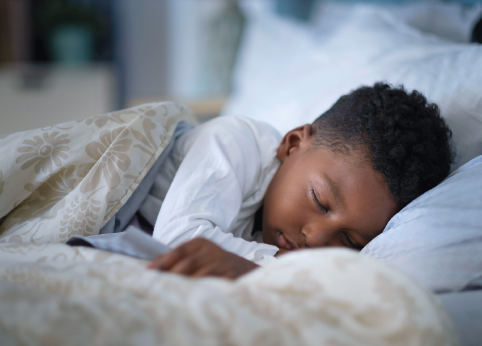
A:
x,y
293,141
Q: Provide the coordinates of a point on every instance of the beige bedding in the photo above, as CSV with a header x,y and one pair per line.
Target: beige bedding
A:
x,y
51,294
70,179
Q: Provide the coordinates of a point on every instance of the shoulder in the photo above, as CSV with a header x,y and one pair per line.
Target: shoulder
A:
x,y
231,140
245,145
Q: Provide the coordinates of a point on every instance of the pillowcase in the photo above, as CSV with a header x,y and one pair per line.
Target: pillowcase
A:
x,y
286,76
437,239
450,20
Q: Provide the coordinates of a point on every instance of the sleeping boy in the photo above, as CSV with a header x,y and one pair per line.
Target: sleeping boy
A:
x,y
234,194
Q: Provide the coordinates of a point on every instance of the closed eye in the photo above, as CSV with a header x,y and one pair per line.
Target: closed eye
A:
x,y
317,202
351,243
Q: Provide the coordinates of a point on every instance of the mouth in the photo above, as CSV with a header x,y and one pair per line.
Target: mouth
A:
x,y
285,243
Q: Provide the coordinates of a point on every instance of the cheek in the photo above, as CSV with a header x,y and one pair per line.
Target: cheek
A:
x,y
287,207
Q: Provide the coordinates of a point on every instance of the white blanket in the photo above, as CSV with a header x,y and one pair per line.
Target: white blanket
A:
x,y
52,294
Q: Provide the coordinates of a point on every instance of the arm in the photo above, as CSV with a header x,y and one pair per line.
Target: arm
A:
x,y
200,257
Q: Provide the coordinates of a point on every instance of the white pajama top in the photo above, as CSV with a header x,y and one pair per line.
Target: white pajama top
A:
x,y
212,184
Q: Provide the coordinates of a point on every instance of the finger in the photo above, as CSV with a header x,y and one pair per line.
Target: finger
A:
x,y
211,269
186,249
187,266
216,270
169,259
192,247
156,263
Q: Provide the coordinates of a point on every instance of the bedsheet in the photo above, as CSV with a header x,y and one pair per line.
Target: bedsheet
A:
x,y
52,294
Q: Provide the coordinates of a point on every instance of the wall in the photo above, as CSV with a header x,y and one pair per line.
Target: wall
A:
x,y
142,48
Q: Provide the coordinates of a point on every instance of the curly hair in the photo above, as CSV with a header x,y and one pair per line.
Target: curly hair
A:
x,y
402,134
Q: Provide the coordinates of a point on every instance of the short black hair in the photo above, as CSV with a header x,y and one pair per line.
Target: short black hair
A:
x,y
402,134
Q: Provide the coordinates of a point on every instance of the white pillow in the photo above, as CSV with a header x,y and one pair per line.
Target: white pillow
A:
x,y
270,52
437,239
286,78
449,20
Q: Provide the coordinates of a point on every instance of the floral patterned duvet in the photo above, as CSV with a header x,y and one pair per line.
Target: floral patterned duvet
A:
x,y
70,179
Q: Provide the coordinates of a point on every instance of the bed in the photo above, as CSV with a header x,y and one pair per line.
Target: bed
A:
x,y
72,179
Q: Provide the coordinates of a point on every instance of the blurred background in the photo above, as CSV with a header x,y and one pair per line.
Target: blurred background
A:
x,y
63,60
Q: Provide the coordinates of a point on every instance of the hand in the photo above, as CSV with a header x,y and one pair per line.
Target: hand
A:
x,y
200,257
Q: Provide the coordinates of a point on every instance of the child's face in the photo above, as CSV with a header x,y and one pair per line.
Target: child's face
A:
x,y
318,198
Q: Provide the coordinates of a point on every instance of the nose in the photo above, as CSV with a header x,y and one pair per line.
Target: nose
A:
x,y
317,235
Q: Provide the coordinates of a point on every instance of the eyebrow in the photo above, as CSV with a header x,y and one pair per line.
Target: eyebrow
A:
x,y
334,190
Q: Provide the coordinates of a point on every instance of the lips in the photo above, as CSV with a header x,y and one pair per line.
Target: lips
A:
x,y
285,243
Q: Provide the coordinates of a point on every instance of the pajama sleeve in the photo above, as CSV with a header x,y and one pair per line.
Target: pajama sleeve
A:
x,y
221,165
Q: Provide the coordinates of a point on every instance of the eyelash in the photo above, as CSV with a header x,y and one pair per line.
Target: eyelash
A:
x,y
315,199
321,206
350,243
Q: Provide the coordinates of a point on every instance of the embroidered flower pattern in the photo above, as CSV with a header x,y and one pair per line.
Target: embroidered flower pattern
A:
x,y
111,158
102,120
45,200
42,151
80,218
66,179
116,117
147,110
148,144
